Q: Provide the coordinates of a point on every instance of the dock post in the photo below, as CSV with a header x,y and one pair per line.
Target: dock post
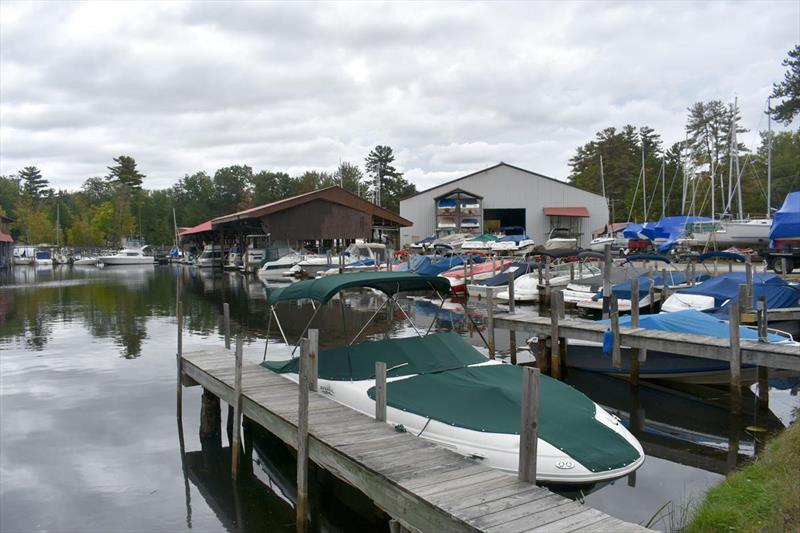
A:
x,y
466,271
380,391
730,266
313,351
542,355
783,265
179,357
302,438
651,293
511,303
490,323
547,261
328,258
616,353
494,265
748,269
736,360
471,271
529,425
226,324
539,272
237,410
572,271
761,317
512,345
210,419
634,357
744,300
606,280
555,359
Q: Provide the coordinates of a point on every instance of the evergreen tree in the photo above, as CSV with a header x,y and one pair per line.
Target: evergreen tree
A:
x,y
788,89
125,173
389,185
32,183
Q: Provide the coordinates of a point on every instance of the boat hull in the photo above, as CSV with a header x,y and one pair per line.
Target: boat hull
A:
x,y
113,261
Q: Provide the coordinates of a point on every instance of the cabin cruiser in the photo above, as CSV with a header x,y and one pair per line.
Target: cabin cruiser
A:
x,y
726,232
23,255
80,260
255,252
311,266
234,260
133,254
560,239
279,260
210,257
441,388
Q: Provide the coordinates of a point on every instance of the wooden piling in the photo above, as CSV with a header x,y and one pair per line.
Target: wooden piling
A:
x,y
736,359
634,357
490,323
651,293
784,265
313,351
616,354
179,355
761,318
210,418
237,410
606,280
471,271
542,355
511,302
494,266
380,391
555,315
744,301
302,438
763,388
512,345
226,324
529,425
539,272
572,271
748,270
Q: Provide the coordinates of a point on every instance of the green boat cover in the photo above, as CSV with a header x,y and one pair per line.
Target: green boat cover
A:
x,y
488,398
486,237
403,357
324,288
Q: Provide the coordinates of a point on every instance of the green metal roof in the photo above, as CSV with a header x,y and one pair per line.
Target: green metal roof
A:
x,y
324,288
403,357
488,398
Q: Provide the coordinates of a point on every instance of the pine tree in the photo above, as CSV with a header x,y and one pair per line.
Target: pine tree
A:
x,y
32,183
788,89
389,185
125,173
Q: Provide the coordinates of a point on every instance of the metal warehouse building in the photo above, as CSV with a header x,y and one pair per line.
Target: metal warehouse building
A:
x,y
503,196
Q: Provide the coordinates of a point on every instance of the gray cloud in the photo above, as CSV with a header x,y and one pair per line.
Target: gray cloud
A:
x,y
289,86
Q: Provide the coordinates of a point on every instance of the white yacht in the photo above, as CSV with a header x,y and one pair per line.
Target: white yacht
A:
x,y
255,252
210,257
132,254
355,253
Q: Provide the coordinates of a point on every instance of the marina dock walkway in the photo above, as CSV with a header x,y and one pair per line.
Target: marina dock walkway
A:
x,y
422,485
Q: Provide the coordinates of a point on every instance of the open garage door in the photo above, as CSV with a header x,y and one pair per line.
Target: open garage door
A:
x,y
494,219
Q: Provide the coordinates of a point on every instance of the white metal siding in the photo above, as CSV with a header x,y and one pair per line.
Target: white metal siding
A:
x,y
505,187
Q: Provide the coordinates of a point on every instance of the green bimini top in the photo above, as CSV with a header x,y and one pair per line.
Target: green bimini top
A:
x,y
411,355
488,398
323,289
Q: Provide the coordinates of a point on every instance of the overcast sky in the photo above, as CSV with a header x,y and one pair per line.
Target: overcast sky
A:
x,y
452,87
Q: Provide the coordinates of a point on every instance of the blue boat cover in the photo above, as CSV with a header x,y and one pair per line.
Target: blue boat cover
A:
x,y
691,321
669,228
786,223
417,262
623,290
632,231
426,240
444,264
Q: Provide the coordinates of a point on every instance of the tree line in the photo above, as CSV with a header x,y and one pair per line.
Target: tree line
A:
x,y
643,178
107,209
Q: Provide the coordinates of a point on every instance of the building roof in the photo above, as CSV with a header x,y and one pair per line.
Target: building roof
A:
x,y
462,191
200,228
5,237
498,165
6,219
333,194
581,212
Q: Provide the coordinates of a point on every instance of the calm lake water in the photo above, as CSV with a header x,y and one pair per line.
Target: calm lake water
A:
x,y
89,439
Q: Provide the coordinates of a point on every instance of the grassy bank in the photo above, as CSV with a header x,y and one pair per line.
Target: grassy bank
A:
x,y
763,496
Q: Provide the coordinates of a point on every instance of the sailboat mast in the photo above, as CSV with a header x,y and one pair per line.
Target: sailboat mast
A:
x,y
685,179
603,185
736,157
175,227
644,185
663,189
769,157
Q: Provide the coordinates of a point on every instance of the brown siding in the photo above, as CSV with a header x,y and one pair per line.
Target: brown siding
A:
x,y
317,220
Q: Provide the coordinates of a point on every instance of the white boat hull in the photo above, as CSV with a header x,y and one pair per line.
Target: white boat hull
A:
x,y
113,261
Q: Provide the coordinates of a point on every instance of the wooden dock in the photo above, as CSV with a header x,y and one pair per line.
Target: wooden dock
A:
x,y
421,485
754,353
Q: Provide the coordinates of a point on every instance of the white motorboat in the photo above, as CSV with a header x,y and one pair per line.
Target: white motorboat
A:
x,y
311,266
23,255
84,261
210,257
441,388
513,245
133,254
480,243
43,258
284,260
234,258
526,287
560,239
618,244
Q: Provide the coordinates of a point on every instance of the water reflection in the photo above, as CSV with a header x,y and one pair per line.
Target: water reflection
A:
x,y
88,424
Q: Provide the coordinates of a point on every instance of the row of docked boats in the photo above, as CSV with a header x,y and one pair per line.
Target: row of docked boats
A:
x,y
132,254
